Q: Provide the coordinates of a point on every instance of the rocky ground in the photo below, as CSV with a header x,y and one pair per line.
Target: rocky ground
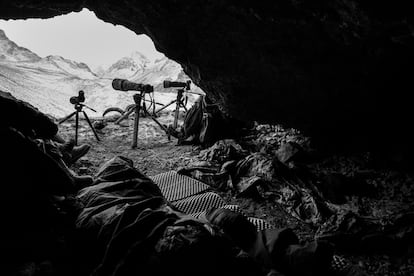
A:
x,y
156,154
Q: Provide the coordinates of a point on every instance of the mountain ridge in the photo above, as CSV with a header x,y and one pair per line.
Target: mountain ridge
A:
x,y
49,82
13,52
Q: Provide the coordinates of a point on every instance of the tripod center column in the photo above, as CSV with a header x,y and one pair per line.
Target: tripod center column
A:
x,y
137,100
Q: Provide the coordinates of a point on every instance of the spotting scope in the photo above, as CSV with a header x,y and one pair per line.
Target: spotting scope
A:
x,y
126,85
179,84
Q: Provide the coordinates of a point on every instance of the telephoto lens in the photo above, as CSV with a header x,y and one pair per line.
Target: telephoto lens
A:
x,y
168,84
125,85
179,84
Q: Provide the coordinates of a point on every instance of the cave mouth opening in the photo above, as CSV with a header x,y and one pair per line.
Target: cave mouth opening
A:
x,y
46,61
79,36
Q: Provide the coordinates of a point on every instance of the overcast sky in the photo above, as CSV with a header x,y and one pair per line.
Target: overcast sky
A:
x,y
80,37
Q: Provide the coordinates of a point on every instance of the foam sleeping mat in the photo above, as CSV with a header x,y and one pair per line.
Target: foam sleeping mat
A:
x,y
193,197
175,186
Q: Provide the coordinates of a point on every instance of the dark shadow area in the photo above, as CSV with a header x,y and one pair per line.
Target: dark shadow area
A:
x,y
297,161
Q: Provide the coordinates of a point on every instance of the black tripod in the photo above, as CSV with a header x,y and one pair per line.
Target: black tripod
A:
x,y
78,109
131,108
137,108
139,101
180,101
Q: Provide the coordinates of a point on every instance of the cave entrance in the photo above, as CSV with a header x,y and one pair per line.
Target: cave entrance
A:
x,y
47,61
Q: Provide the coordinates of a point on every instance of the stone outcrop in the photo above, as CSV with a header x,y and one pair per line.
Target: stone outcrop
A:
x,y
337,69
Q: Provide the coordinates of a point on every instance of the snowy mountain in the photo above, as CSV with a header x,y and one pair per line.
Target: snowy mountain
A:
x,y
49,82
127,67
99,71
160,70
74,68
10,51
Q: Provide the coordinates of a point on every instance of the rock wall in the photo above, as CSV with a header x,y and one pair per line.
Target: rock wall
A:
x,y
338,69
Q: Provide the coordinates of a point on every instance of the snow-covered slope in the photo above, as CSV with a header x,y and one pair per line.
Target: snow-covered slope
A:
x,y
48,90
49,82
10,51
74,68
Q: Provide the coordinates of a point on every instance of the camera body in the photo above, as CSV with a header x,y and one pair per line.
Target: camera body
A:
x,y
125,85
179,84
78,99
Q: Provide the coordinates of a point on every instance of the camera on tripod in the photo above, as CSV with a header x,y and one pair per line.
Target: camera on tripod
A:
x,y
179,84
125,85
78,99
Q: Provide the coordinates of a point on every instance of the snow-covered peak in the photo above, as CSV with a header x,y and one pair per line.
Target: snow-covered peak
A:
x,y
128,66
2,35
99,70
10,51
78,69
139,57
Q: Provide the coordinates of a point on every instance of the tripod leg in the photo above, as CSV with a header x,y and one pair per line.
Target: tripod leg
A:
x,y
89,123
177,108
166,130
165,106
67,117
153,104
123,117
185,108
183,104
137,100
158,123
76,128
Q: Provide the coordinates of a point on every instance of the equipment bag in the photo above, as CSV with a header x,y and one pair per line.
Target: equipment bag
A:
x,y
205,124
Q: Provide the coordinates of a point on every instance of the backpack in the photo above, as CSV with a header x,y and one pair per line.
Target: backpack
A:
x,y
193,120
205,124
198,127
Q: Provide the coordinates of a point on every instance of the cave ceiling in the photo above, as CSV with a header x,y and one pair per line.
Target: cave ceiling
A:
x,y
333,69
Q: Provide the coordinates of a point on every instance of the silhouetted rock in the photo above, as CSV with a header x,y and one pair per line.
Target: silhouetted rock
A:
x,y
24,117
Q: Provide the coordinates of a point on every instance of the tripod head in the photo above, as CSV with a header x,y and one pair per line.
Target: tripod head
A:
x,y
79,107
77,101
